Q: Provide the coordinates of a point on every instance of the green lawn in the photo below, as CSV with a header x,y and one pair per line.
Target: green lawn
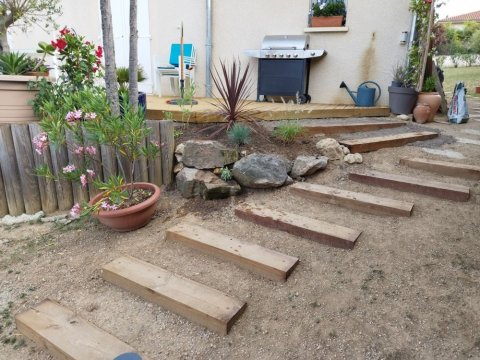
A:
x,y
469,75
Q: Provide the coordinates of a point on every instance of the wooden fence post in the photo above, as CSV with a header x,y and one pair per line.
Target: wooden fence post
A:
x,y
48,194
154,165
168,149
26,168
64,187
96,162
80,193
11,178
3,198
109,161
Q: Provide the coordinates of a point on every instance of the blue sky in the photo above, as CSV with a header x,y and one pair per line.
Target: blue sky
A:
x,y
458,7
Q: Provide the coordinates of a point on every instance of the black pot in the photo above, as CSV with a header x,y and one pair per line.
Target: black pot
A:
x,y
396,83
142,100
402,100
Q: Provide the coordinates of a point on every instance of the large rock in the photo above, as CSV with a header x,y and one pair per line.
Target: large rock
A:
x,y
330,148
207,154
262,170
194,182
308,165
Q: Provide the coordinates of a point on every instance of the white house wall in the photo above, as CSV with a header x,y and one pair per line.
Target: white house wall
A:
x,y
368,51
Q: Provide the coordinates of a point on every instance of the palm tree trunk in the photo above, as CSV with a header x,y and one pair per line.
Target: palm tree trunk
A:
x,y
133,58
111,83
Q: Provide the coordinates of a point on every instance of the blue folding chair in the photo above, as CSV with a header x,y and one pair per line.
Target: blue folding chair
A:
x,y
172,70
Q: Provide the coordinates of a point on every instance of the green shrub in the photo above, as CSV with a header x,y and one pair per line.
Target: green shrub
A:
x,y
429,85
226,174
14,63
289,131
240,134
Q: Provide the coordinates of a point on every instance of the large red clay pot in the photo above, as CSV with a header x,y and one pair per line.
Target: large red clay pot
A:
x,y
131,218
433,99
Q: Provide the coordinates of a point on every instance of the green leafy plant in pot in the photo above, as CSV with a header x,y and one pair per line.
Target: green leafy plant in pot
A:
x,y
123,78
84,115
429,96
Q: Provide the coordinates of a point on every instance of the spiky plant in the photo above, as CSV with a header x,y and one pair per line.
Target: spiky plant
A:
x,y
234,86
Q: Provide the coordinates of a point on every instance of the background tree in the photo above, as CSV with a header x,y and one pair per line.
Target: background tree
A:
x,y
24,14
111,83
133,57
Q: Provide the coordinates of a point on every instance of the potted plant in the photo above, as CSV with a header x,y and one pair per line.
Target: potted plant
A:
x,y
430,96
15,92
328,14
123,205
401,94
76,109
123,78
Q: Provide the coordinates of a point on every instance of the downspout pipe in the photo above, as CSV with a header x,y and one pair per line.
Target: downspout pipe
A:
x,y
208,51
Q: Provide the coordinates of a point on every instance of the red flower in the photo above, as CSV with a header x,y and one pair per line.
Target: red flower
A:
x,y
99,52
87,42
94,69
61,44
54,44
64,31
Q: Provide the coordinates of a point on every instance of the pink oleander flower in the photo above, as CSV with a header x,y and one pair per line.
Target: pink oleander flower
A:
x,y
79,150
69,168
40,142
75,211
90,116
90,150
77,114
91,173
156,144
107,207
83,180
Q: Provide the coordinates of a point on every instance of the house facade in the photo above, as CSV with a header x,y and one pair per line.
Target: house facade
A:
x,y
366,48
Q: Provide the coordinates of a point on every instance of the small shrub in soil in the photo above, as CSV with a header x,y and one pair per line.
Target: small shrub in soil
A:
x,y
226,174
289,131
240,134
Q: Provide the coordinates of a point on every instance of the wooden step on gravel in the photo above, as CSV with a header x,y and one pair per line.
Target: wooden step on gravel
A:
x,y
416,185
353,200
269,263
66,335
352,127
320,231
199,303
380,142
470,172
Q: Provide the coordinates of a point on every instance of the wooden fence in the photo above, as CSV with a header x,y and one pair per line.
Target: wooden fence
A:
x,y
22,191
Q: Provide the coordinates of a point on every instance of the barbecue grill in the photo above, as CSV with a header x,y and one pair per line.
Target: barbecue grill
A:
x,y
284,66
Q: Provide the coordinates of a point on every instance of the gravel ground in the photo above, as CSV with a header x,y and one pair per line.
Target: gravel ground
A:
x,y
408,290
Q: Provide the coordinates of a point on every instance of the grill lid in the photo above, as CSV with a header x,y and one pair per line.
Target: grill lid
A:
x,y
285,42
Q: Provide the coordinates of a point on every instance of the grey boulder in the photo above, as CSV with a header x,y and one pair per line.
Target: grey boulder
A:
x,y
194,182
308,165
262,171
207,154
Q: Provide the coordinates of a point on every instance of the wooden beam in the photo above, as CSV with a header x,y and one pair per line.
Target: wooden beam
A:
x,y
66,335
444,167
317,230
406,183
353,200
439,88
380,142
269,263
352,127
198,303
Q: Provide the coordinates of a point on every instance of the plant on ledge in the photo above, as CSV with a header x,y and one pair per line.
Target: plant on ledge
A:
x,y
328,13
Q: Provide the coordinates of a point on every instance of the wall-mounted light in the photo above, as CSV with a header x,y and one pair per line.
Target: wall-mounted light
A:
x,y
404,37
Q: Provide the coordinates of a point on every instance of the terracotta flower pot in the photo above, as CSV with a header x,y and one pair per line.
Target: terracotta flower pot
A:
x,y
421,113
433,99
131,218
327,21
